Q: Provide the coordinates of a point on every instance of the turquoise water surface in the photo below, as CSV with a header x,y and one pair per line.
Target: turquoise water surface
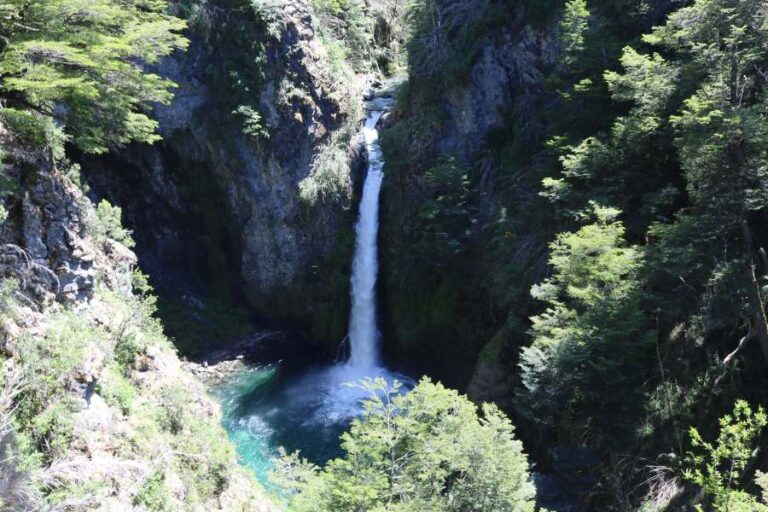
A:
x,y
295,406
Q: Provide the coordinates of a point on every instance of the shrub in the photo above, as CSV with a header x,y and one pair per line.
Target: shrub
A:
x,y
270,13
108,225
348,24
328,180
52,429
718,467
198,15
172,415
443,30
154,494
253,124
132,323
50,361
116,390
8,288
204,459
126,351
34,131
209,474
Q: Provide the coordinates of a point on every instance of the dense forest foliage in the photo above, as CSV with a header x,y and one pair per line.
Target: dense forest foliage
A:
x,y
78,428
77,65
616,219
426,450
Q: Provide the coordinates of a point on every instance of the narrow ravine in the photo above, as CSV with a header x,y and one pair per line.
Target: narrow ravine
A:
x,y
299,404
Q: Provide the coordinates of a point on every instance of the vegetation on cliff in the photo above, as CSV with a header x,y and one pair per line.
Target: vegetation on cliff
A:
x,y
98,413
576,199
603,234
96,410
71,71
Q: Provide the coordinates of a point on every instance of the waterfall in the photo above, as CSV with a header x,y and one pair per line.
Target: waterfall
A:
x,y
316,406
363,330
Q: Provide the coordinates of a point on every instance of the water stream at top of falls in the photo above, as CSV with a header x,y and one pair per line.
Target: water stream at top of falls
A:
x,y
363,331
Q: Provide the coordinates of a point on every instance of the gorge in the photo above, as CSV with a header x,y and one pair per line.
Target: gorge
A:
x,y
384,255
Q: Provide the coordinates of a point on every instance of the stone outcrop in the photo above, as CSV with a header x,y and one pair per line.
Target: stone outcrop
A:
x,y
48,244
505,78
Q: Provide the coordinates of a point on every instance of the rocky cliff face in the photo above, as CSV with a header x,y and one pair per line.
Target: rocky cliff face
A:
x,y
444,216
48,220
96,410
465,226
216,207
505,79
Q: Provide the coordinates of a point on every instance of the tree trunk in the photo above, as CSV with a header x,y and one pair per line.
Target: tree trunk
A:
x,y
760,318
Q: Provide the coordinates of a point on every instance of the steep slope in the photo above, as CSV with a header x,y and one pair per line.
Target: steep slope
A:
x,y
451,206
466,225
96,411
577,208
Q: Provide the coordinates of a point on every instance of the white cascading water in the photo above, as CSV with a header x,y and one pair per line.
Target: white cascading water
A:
x,y
363,331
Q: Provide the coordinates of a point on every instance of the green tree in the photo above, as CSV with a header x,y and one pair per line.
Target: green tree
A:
x,y
592,336
424,450
81,63
442,41
720,128
718,467
349,22
572,28
687,164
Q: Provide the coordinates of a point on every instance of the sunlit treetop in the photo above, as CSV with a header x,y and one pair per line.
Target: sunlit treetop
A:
x,y
75,69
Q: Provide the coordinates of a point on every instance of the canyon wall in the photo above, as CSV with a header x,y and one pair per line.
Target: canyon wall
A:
x,y
445,217
248,195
